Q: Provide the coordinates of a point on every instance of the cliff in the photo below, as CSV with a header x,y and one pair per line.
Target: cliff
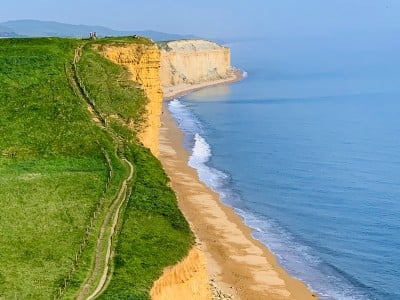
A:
x,y
143,62
192,62
186,280
184,64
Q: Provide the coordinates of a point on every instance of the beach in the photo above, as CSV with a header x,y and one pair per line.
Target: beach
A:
x,y
237,264
185,88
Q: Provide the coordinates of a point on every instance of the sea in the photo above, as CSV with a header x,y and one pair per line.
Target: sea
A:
x,y
306,149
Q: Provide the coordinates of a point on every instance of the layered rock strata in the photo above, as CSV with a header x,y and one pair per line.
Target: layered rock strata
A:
x,y
143,63
192,62
170,64
158,68
186,280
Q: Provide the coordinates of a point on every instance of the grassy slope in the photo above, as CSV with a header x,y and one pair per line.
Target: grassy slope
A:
x,y
52,173
152,219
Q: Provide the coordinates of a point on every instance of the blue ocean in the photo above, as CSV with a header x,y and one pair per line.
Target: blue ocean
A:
x,y
306,148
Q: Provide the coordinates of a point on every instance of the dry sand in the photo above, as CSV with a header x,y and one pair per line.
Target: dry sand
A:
x,y
237,263
185,88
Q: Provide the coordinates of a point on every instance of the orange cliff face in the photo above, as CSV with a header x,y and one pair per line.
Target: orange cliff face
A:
x,y
186,280
189,278
170,64
143,63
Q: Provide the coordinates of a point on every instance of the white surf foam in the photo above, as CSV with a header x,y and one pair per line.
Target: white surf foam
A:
x,y
201,151
185,118
201,154
296,257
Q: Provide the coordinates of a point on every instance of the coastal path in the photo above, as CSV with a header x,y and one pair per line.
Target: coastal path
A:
x,y
101,271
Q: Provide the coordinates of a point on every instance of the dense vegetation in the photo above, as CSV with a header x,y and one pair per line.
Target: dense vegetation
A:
x,y
54,173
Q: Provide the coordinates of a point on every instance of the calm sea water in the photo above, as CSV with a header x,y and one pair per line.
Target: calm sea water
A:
x,y
307,150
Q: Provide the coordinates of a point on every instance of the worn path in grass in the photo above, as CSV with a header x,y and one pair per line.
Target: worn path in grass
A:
x,y
100,275
115,210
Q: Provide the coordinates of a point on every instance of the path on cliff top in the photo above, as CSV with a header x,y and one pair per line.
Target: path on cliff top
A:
x,y
100,273
115,210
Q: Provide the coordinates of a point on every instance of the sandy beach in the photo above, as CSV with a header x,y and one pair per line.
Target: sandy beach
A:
x,y
237,263
184,89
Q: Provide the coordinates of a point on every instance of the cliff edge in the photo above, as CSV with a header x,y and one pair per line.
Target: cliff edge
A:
x,y
170,68
192,62
173,67
143,63
186,280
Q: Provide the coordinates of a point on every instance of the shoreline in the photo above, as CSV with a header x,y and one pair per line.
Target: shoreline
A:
x,y
237,263
184,89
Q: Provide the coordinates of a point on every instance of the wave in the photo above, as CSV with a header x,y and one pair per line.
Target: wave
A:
x,y
201,151
184,117
299,259
201,154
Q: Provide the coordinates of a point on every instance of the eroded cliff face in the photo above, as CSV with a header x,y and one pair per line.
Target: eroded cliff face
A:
x,y
184,62
186,280
192,61
174,63
143,62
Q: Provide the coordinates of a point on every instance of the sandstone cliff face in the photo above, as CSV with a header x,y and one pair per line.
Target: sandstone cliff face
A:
x,y
192,61
174,63
186,280
143,62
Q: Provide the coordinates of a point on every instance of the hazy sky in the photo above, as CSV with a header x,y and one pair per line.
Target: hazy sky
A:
x,y
216,18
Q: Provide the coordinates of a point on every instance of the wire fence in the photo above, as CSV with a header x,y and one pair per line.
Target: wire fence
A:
x,y
99,206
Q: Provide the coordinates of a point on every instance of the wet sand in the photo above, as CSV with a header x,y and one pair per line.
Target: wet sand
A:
x,y
237,263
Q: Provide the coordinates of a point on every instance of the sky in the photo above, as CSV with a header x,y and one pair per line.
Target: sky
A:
x,y
217,18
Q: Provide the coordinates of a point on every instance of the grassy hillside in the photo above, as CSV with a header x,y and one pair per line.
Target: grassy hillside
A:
x,y
60,173
152,219
52,170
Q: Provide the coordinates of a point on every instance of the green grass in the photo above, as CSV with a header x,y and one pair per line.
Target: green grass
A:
x,y
52,170
121,40
111,88
152,223
53,173
44,208
152,220
39,114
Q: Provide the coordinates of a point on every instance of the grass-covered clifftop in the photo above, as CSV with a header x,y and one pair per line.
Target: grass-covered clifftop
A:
x,y
61,172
